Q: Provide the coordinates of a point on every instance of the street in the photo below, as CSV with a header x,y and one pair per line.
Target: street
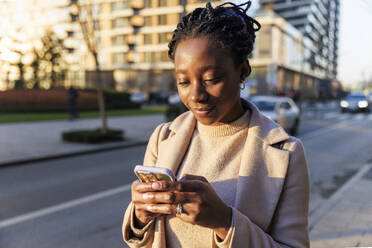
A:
x,y
80,201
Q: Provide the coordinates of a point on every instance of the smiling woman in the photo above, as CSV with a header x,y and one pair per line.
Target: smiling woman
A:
x,y
208,81
241,180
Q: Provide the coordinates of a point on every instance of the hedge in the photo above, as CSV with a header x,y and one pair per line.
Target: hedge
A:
x,y
57,100
93,136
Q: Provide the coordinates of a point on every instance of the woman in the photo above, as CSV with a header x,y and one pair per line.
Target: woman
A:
x,y
242,181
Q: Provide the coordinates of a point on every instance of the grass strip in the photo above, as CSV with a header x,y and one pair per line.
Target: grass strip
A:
x,y
37,117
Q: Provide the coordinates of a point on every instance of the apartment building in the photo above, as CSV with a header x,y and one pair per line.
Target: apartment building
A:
x,y
319,21
130,36
132,41
279,59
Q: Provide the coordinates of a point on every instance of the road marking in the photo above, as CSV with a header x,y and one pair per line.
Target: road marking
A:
x,y
63,206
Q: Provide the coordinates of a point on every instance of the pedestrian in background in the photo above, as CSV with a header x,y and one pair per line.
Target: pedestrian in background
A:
x,y
72,102
241,180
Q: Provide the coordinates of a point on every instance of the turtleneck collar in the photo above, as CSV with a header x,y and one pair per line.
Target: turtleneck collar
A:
x,y
224,129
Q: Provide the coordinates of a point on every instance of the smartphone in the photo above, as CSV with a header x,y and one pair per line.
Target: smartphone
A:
x,y
149,174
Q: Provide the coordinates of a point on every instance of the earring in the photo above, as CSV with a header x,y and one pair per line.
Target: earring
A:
x,y
242,85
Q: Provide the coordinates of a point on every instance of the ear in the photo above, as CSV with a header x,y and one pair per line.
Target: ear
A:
x,y
245,69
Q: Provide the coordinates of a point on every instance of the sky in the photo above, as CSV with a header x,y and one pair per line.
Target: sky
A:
x,y
355,40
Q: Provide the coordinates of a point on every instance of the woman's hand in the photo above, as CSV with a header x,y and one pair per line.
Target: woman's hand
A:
x,y
201,205
139,199
205,207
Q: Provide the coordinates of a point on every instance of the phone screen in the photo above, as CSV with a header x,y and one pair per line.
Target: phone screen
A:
x,y
149,177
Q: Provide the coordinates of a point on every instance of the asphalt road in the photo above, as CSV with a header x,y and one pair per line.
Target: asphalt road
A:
x,y
79,201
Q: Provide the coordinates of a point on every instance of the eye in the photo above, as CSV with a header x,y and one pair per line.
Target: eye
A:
x,y
183,82
212,80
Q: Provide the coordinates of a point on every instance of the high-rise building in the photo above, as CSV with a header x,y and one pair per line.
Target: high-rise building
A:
x,y
131,37
319,21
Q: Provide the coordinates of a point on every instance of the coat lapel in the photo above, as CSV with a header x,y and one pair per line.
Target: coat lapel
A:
x,y
173,149
263,169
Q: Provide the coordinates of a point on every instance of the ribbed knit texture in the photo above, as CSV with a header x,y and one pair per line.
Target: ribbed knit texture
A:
x,y
214,153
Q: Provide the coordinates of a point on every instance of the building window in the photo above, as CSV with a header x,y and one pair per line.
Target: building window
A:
x,y
123,4
118,40
162,19
155,57
164,38
74,18
120,22
118,58
164,56
95,10
162,3
265,44
147,21
147,57
147,39
96,25
147,3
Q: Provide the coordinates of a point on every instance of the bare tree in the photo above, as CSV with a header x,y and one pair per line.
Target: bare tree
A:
x,y
89,33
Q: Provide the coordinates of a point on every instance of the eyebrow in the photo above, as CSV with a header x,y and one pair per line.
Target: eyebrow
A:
x,y
203,69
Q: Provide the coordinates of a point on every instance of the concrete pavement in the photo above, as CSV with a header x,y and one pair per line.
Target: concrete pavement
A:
x,y
344,220
34,141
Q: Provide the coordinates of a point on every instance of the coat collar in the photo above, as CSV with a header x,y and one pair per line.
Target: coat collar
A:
x,y
259,126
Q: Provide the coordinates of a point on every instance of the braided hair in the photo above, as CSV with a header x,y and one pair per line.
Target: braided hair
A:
x,y
227,24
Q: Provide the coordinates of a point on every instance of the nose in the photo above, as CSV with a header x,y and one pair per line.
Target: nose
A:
x,y
198,92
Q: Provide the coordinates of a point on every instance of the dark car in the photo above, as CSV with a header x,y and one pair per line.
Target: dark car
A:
x,y
160,97
355,102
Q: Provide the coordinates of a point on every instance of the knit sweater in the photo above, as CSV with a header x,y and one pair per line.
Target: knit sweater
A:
x,y
272,191
214,153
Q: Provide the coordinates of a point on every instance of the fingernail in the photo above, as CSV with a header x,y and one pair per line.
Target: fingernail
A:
x,y
156,185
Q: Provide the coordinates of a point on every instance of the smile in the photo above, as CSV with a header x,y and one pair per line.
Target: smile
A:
x,y
203,111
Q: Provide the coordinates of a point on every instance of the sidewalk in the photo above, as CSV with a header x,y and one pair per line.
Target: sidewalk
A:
x,y
34,141
345,220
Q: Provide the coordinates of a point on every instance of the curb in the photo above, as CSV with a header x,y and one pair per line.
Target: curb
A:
x,y
128,144
327,206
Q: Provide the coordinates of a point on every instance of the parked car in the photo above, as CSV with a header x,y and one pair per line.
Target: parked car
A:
x,y
138,97
282,110
355,102
174,99
159,97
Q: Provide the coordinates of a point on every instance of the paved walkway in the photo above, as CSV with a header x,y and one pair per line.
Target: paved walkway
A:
x,y
345,220
39,140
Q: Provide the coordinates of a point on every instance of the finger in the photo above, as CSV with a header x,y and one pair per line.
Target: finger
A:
x,y
155,186
144,215
156,209
191,186
193,177
164,197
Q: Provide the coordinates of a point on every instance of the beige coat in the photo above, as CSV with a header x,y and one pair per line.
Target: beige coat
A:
x,y
271,206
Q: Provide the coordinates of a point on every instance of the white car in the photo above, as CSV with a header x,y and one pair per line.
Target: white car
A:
x,y
282,110
174,99
138,98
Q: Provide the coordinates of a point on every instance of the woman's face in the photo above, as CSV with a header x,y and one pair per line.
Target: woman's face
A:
x,y
208,81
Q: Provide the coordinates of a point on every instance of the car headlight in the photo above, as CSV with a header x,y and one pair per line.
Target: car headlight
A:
x,y
363,104
344,104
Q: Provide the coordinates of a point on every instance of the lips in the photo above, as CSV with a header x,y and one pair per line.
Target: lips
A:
x,y
204,111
